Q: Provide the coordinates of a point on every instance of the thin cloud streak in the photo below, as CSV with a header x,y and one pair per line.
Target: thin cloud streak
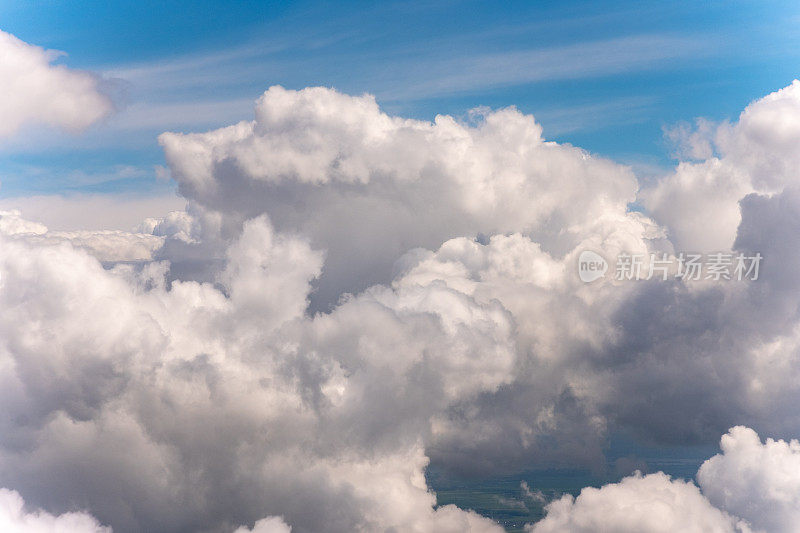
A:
x,y
412,76
596,115
585,60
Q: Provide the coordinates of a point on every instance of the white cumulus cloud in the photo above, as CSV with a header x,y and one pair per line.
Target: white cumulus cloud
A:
x,y
698,202
15,519
758,481
106,245
750,486
34,90
361,183
273,524
637,504
349,295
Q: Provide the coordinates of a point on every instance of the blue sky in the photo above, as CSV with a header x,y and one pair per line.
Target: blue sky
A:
x,y
605,76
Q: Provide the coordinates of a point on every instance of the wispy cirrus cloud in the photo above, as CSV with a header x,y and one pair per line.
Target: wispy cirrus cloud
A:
x,y
416,73
595,115
420,72
583,60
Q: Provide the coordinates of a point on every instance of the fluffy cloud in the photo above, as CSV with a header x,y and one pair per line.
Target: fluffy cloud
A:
x,y
637,504
33,90
757,154
758,481
14,518
272,524
750,486
106,245
198,385
228,404
363,184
